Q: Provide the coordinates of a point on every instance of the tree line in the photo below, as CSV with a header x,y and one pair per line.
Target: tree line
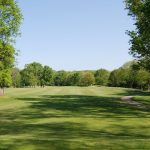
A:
x,y
130,75
135,76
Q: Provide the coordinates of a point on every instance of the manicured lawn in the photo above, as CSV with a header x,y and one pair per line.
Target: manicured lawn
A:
x,y
73,118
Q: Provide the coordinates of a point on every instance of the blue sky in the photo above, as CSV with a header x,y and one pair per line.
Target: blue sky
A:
x,y
74,34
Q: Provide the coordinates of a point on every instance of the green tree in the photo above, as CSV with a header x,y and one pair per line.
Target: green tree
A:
x,y
10,20
32,74
25,78
142,78
16,77
140,37
87,79
119,78
5,79
101,77
113,78
47,76
73,78
6,63
61,78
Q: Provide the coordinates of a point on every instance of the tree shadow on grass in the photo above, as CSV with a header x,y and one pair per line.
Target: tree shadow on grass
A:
x,y
34,128
134,92
68,136
87,106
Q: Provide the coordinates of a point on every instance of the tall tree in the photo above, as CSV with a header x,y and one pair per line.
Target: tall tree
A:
x,y
101,77
5,79
47,76
119,77
10,20
61,78
140,37
142,78
73,79
16,77
86,79
32,74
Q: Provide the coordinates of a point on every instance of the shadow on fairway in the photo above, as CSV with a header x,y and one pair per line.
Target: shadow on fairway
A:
x,y
134,92
26,128
67,136
79,105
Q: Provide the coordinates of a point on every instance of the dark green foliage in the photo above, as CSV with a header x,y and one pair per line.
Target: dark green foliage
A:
x,y
25,77
5,78
119,78
113,78
10,20
86,79
16,77
133,76
101,77
61,78
73,78
140,37
6,56
6,63
47,76
142,78
130,75
31,75
35,74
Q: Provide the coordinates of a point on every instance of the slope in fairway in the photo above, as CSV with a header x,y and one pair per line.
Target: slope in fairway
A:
x,y
73,118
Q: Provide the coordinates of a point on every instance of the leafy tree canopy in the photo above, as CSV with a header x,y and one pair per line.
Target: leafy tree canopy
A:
x,y
140,37
101,77
10,20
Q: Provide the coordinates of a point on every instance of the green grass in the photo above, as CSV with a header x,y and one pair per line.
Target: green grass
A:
x,y
73,118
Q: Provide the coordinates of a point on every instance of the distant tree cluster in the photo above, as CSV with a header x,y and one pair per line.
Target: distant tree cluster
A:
x,y
35,74
130,75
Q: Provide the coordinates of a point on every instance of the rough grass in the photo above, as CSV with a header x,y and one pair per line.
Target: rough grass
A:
x,y
73,118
